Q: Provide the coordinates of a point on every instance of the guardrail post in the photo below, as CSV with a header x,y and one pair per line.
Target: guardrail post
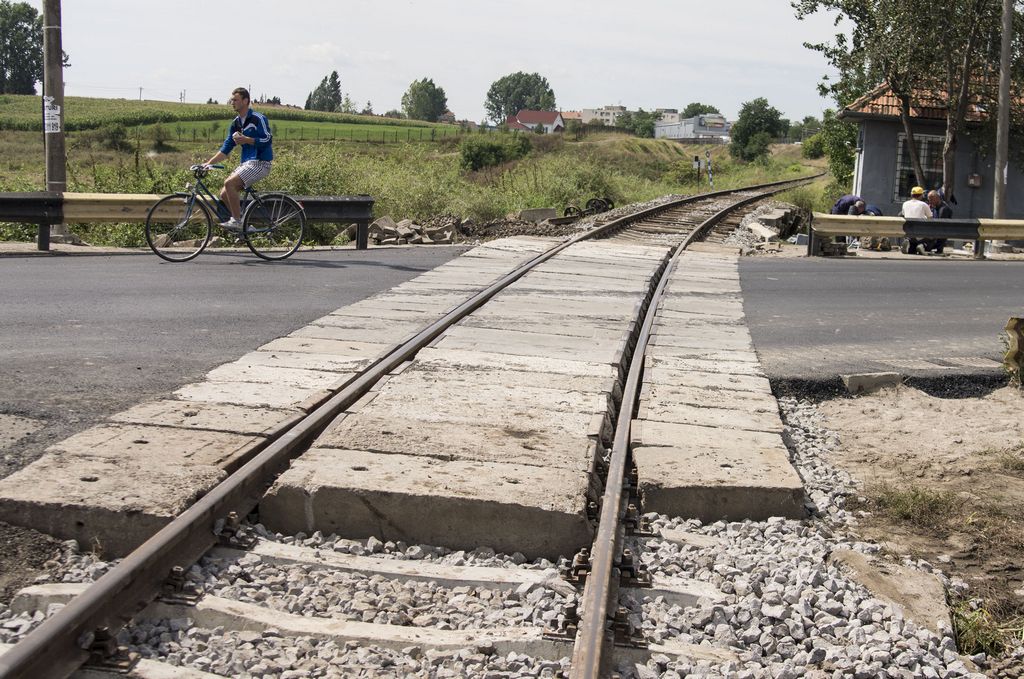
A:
x,y
1014,358
43,237
362,235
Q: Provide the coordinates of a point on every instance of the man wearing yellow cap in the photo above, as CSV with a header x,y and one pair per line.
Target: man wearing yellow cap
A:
x,y
915,208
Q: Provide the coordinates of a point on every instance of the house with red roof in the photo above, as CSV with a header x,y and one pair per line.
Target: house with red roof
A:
x,y
529,120
883,173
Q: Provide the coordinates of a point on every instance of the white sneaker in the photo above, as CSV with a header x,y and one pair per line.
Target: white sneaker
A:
x,y
232,225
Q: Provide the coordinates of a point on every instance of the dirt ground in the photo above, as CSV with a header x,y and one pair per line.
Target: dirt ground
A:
x,y
943,481
23,555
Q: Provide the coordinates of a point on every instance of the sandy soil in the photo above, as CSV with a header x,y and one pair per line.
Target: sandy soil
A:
x,y
971,449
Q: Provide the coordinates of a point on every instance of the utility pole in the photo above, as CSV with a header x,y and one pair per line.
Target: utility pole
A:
x,y
53,114
1003,121
140,94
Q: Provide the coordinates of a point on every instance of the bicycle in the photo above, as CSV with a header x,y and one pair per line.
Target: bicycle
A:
x,y
179,226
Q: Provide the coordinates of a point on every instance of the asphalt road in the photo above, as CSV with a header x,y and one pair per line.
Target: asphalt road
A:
x,y
83,337
929,317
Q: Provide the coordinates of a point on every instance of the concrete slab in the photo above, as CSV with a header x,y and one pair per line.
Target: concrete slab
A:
x,y
656,358
708,396
467,359
757,419
581,326
253,394
602,280
597,350
212,416
111,502
706,380
568,412
307,360
395,334
724,306
471,375
538,446
706,354
346,348
718,337
423,500
546,306
185,446
704,286
243,371
685,319
865,383
714,474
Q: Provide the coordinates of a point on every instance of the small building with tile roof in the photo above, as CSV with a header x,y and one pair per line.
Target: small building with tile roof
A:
x,y
883,173
529,120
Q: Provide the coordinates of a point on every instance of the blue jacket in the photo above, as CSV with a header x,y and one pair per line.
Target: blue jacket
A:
x,y
256,126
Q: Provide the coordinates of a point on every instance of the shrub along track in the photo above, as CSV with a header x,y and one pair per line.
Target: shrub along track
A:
x,y
58,646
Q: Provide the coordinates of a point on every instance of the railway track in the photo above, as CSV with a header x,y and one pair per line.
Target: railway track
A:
x,y
281,562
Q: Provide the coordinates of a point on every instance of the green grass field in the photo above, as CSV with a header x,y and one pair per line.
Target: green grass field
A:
x,y
301,130
23,112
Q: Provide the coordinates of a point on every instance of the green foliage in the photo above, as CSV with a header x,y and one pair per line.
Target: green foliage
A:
x,y
917,505
112,137
481,152
696,108
424,101
327,95
814,147
19,232
19,112
839,142
21,48
641,123
517,91
978,631
754,129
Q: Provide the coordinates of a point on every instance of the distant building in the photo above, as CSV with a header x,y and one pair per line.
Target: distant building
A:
x,y
883,173
529,120
447,117
668,116
572,115
607,115
706,126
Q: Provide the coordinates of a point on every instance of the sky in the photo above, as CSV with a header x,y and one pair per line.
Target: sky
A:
x,y
635,53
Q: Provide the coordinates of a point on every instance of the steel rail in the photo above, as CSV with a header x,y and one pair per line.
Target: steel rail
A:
x,y
60,645
600,594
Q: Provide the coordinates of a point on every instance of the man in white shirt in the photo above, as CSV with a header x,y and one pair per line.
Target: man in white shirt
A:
x,y
915,208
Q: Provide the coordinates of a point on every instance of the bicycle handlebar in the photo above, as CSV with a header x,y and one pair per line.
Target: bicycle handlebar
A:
x,y
201,169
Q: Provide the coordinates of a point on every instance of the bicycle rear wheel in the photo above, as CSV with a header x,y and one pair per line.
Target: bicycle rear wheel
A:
x,y
273,226
178,227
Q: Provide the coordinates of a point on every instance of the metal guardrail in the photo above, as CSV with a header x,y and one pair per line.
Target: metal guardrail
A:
x,y
899,227
47,207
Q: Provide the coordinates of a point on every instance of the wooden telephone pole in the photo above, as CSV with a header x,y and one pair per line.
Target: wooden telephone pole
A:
x,y
53,113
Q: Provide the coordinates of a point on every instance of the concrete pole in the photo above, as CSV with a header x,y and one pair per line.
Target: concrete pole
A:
x,y
53,105
1003,120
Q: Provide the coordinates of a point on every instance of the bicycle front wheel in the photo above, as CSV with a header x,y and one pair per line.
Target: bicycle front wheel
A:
x,y
178,227
273,226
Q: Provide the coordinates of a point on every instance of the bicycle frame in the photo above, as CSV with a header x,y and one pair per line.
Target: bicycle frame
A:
x,y
215,204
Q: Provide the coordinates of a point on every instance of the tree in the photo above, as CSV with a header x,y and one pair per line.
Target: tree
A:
x,y
517,91
21,48
696,108
394,113
327,95
757,124
368,109
276,101
944,51
641,123
424,101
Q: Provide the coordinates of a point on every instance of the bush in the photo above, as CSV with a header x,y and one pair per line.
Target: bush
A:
x,y
480,152
814,147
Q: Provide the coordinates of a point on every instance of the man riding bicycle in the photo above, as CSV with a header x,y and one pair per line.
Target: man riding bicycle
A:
x,y
252,131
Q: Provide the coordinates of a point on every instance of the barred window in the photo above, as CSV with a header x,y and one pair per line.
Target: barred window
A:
x,y
929,150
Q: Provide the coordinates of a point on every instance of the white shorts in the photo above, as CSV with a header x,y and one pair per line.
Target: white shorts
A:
x,y
251,171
